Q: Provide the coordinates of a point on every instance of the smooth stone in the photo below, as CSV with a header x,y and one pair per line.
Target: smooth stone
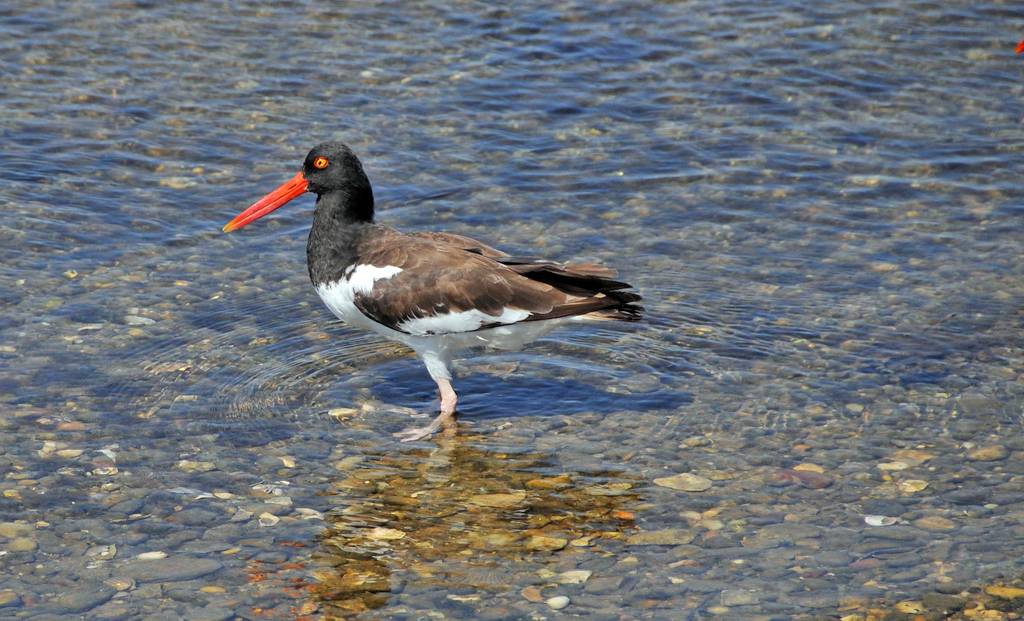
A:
x,y
127,507
309,514
111,611
604,584
833,558
912,574
880,520
22,544
951,588
891,533
884,507
211,613
187,595
136,320
809,467
189,465
609,489
910,607
271,556
266,507
558,602
739,597
911,486
576,576
549,544
784,534
935,522
498,501
171,569
195,517
559,482
698,585
121,584
944,604
975,404
495,613
811,479
968,496
912,457
1005,592
385,534
14,529
82,599
9,599
988,453
102,552
666,537
685,482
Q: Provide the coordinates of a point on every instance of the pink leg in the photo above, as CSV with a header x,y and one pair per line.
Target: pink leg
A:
x,y
448,397
445,419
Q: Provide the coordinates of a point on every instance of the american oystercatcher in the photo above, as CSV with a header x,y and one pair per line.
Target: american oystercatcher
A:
x,y
438,293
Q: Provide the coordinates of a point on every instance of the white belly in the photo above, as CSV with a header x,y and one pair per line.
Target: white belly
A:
x,y
339,297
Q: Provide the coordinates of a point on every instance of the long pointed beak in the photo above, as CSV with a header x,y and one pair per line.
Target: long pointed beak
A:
x,y
286,192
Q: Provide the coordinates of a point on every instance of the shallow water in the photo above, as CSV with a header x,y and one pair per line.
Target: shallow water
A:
x,y
821,207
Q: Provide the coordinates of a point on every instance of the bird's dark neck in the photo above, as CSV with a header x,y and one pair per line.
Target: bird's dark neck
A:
x,y
340,220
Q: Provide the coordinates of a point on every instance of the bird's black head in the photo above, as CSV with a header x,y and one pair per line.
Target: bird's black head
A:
x,y
333,166
336,176
331,171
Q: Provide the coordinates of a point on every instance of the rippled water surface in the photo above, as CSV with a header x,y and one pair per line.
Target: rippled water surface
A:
x,y
821,205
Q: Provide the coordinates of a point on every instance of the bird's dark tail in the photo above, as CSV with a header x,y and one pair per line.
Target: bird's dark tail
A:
x,y
602,297
625,309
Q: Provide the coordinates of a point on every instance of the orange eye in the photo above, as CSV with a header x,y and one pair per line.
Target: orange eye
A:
x,y
320,162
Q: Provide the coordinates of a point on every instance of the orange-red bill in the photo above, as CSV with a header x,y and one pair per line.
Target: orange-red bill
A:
x,y
286,192
1020,47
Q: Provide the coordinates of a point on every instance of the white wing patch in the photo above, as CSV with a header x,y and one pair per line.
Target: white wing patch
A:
x,y
364,276
463,321
339,295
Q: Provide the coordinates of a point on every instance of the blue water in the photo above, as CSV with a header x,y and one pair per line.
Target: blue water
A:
x,y
820,204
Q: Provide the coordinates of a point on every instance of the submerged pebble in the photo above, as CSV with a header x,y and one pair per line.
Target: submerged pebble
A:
x,y
557,602
171,569
685,482
994,452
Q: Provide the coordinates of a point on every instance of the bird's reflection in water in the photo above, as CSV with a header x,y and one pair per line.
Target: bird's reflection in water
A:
x,y
463,517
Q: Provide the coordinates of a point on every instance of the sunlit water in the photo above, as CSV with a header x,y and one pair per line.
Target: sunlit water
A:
x,y
821,206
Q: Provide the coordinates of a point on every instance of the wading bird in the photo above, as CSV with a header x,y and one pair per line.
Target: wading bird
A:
x,y
438,293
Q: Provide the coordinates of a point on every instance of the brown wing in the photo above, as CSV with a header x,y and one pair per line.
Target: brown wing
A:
x,y
439,280
520,264
460,241
447,284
